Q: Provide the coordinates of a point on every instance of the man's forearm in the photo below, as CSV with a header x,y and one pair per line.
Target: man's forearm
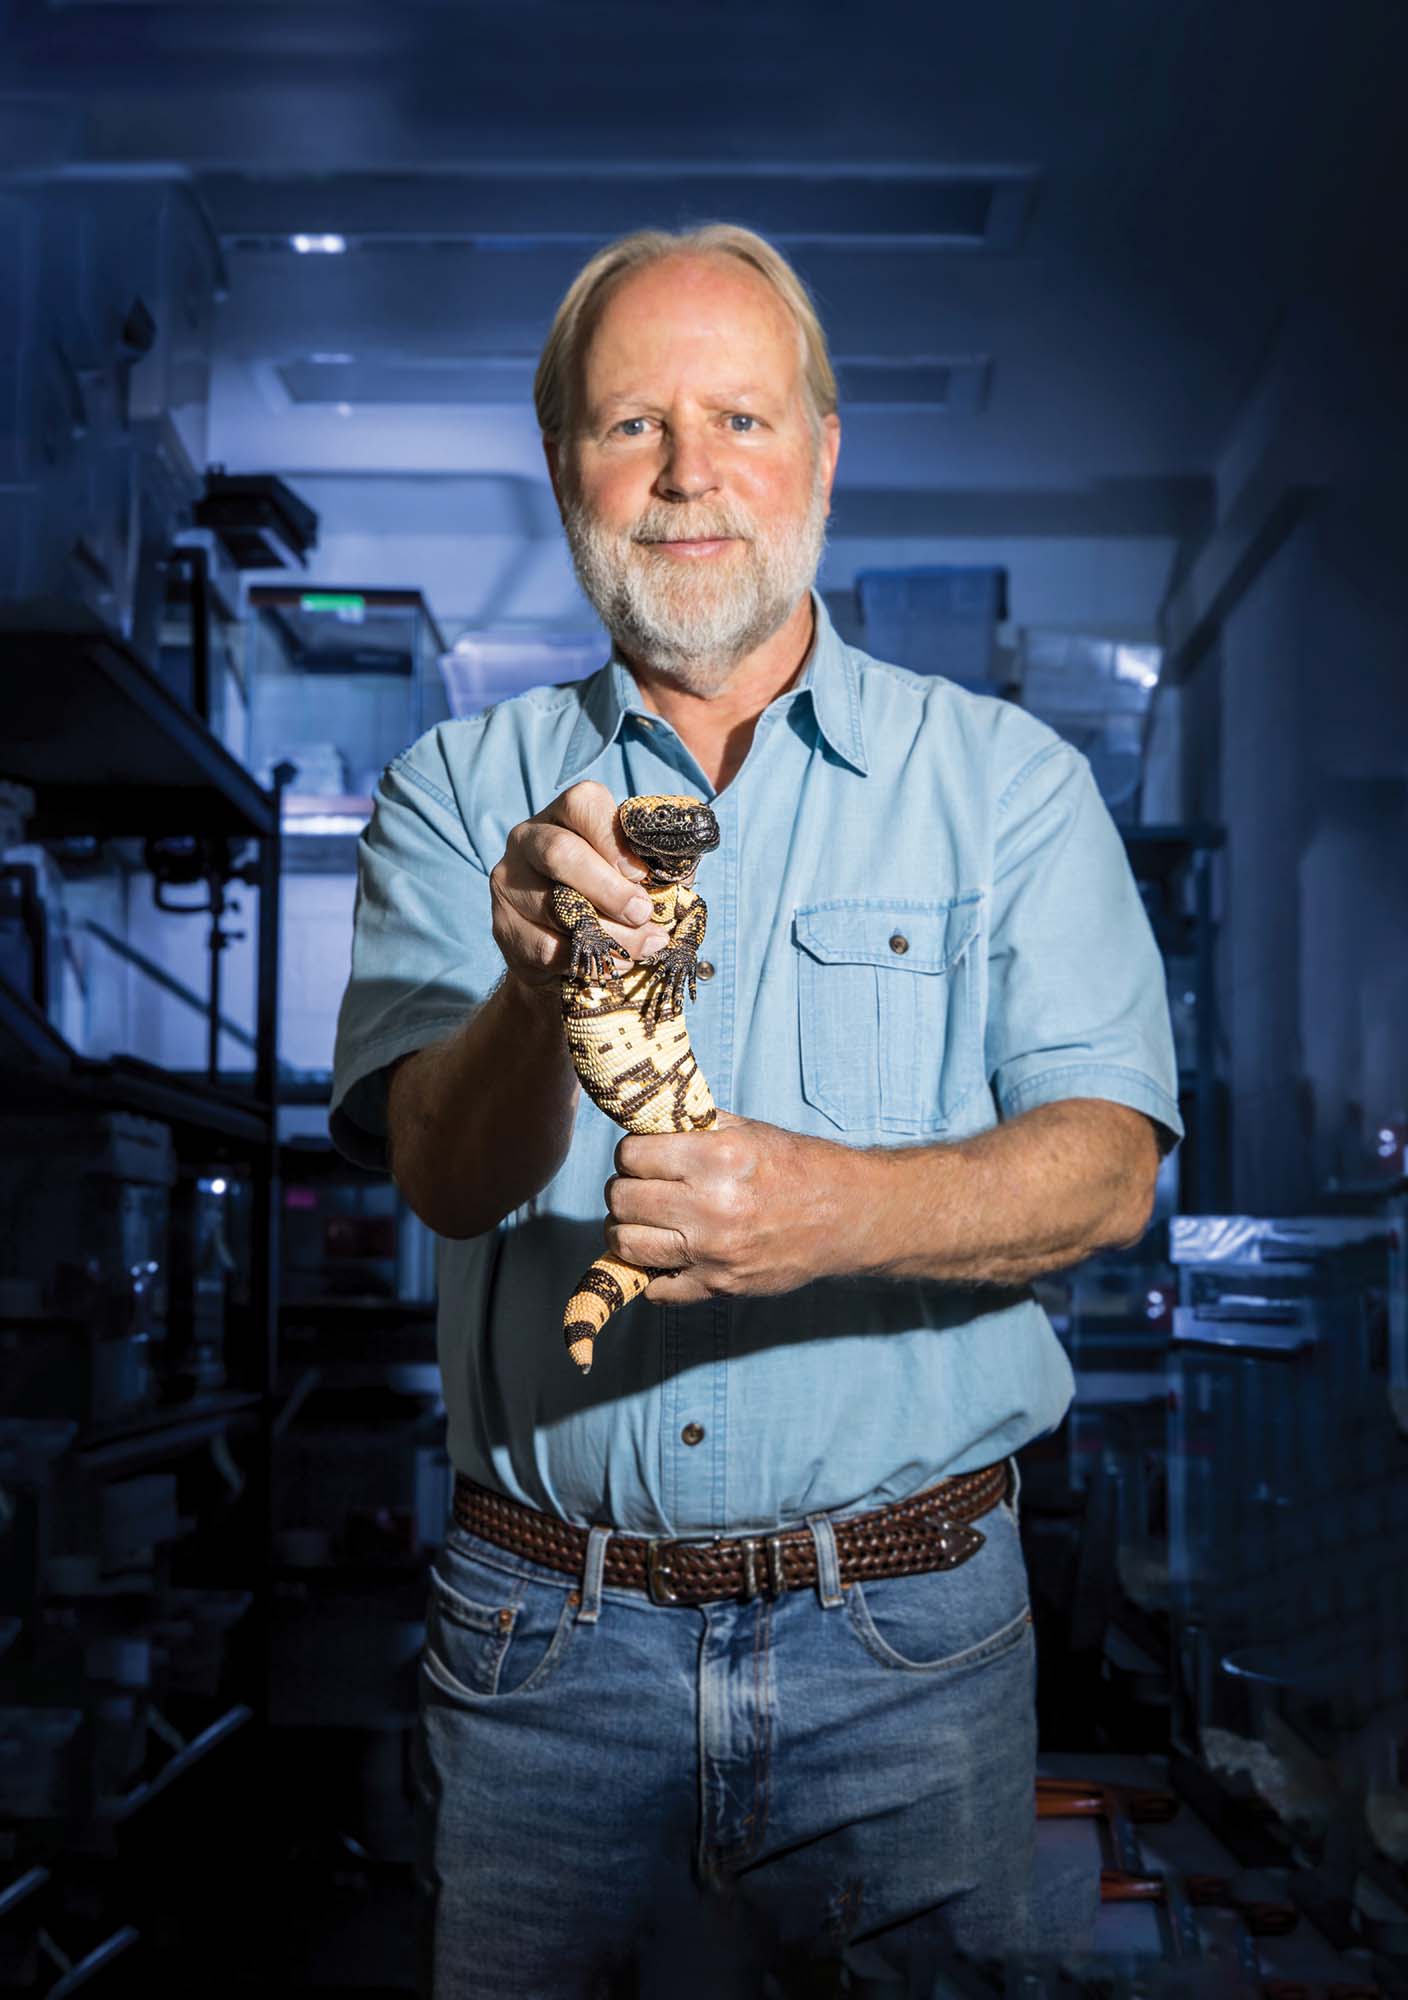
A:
x,y
482,1120
1035,1194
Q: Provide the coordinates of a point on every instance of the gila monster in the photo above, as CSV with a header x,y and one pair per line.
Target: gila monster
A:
x,y
626,1030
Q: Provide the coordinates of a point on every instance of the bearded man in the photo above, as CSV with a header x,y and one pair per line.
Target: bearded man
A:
x,y
933,1007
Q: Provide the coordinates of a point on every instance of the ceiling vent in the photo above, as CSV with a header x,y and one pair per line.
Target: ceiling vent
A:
x,y
958,386
409,379
522,207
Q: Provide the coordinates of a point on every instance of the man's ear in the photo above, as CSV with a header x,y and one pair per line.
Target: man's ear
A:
x,y
830,447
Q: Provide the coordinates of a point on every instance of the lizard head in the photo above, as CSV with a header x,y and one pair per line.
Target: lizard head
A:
x,y
668,832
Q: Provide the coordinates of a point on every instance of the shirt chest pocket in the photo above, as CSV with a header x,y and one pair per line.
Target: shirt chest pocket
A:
x,y
888,1014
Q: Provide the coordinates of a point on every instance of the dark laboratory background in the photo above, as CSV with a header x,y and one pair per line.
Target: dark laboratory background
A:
x,y
1116,294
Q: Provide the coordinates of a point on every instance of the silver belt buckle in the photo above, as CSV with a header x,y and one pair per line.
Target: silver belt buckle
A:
x,y
752,1546
656,1567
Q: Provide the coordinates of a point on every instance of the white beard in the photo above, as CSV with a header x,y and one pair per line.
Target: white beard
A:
x,y
692,620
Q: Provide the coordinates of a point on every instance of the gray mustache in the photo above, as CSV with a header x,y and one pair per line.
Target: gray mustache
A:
x,y
692,531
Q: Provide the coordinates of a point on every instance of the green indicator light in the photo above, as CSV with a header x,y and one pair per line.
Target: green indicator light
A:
x,y
332,600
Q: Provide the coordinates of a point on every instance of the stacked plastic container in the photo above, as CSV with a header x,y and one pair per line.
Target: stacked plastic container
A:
x,y
84,1227
1113,1313
111,282
938,619
482,668
1288,1477
1096,693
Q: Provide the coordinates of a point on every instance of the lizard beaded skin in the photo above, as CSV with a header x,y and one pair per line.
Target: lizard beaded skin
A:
x,y
625,1028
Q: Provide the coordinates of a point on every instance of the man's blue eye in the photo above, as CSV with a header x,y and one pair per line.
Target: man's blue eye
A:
x,y
630,420
739,417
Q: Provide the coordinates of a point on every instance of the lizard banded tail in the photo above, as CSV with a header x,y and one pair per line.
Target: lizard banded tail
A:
x,y
625,1026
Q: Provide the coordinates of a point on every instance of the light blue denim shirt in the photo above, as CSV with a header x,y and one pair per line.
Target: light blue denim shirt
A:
x,y
921,921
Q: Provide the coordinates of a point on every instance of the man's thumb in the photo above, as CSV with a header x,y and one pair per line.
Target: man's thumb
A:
x,y
627,860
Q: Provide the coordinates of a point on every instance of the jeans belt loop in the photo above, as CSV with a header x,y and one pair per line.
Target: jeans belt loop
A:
x,y
589,1609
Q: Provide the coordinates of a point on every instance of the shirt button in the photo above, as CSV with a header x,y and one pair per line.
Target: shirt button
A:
x,y
692,1433
704,969
899,942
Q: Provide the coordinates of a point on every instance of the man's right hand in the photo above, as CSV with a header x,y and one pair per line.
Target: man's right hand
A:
x,y
574,840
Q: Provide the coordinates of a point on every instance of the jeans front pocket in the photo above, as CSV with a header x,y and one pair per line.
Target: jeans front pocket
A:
x,y
491,1633
944,1621
888,1018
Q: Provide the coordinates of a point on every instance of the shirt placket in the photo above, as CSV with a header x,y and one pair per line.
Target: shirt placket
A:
x,y
695,1339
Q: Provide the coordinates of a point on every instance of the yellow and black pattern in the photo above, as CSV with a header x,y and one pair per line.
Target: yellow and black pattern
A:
x,y
625,1023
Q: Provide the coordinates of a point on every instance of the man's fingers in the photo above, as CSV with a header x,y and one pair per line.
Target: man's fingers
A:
x,y
550,951
684,1290
647,1249
588,808
574,841
660,1156
642,1201
556,853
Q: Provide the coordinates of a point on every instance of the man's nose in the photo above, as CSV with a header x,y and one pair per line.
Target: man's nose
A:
x,y
688,470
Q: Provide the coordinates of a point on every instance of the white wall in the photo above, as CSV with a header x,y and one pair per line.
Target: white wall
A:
x,y
315,955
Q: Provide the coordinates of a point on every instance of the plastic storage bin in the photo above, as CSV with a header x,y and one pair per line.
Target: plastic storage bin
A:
x,y
111,282
84,1217
484,667
935,620
339,682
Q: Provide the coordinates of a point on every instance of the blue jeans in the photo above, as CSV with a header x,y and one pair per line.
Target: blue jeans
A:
x,y
831,1791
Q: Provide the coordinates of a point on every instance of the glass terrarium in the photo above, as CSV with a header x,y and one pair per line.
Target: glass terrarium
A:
x,y
340,681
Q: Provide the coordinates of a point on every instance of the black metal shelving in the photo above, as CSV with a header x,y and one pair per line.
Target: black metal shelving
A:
x,y
109,751
107,747
225,1122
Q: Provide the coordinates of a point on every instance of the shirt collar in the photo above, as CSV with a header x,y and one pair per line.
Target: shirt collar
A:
x,y
829,678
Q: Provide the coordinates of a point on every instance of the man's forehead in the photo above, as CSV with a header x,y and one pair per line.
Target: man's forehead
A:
x,y
734,395
724,281
708,327
681,301
702,358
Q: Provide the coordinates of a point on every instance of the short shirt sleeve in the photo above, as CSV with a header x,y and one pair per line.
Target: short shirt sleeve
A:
x,y
1078,1002
423,951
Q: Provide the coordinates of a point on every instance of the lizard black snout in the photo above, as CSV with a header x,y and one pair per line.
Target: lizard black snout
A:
x,y
669,832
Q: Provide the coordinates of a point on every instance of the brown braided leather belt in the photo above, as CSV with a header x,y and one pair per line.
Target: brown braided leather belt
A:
x,y
931,1530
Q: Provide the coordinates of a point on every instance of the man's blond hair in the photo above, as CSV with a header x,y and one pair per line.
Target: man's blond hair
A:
x,y
559,369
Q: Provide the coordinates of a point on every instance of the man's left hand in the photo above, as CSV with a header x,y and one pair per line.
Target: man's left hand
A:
x,y
743,1210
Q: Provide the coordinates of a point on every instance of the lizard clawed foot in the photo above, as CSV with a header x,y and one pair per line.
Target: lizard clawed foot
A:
x,y
591,952
673,969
